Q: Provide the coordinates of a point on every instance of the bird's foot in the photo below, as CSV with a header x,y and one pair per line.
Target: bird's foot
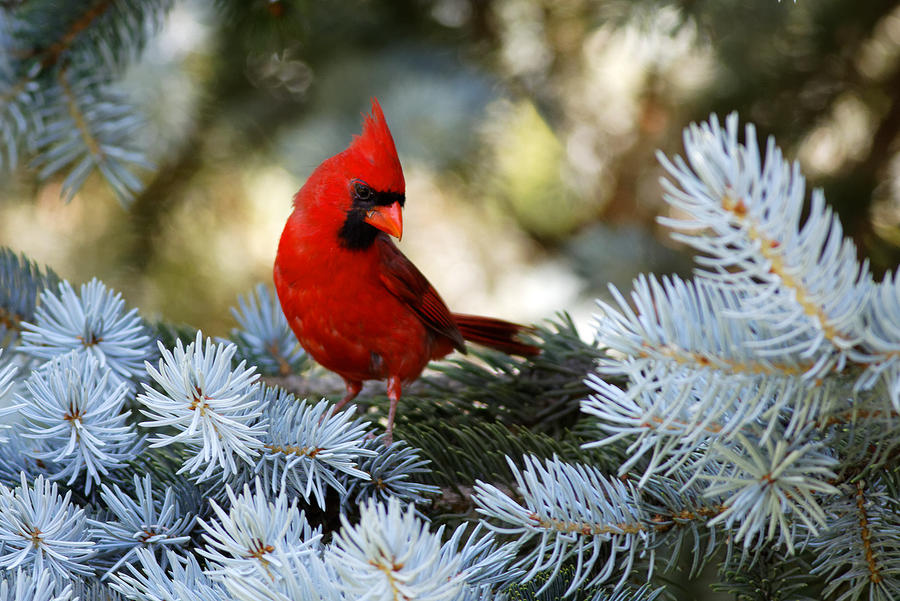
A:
x,y
353,389
394,386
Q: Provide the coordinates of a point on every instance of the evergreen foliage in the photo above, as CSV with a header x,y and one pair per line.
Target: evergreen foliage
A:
x,y
59,106
263,335
139,519
73,413
21,281
209,404
92,323
746,417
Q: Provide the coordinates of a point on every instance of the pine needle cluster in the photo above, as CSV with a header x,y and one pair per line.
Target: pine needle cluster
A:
x,y
60,106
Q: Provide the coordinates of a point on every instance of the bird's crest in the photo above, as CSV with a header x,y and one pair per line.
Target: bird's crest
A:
x,y
375,146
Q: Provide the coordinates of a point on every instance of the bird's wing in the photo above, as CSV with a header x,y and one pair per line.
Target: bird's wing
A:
x,y
407,283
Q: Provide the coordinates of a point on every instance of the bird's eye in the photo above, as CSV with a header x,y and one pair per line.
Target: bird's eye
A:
x,y
362,191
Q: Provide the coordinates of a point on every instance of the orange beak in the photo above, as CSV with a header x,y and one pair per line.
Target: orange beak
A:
x,y
388,219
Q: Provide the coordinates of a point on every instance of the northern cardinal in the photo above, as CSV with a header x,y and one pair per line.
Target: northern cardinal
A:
x,y
355,302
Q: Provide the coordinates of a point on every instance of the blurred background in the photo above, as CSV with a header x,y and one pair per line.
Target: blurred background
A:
x,y
527,130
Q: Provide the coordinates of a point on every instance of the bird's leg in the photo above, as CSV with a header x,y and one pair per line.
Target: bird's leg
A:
x,y
393,391
353,388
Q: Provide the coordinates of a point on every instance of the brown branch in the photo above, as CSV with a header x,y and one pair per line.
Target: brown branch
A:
x,y
659,522
866,534
51,55
310,452
10,320
855,415
284,368
769,248
78,117
663,523
686,357
652,423
585,528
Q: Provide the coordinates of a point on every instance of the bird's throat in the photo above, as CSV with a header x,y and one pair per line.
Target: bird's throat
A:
x,y
355,233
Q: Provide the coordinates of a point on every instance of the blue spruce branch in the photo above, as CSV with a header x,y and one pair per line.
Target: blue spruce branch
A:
x,y
21,281
391,473
41,529
140,520
180,577
91,323
57,103
309,449
743,379
254,534
573,511
20,585
74,410
264,337
213,407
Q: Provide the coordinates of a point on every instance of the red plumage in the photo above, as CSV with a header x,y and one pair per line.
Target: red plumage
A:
x,y
357,305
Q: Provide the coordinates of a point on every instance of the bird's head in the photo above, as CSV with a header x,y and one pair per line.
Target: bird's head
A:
x,y
360,189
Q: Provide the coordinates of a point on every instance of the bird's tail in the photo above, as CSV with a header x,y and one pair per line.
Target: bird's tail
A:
x,y
494,333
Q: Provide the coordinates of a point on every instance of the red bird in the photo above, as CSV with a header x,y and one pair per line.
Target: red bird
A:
x,y
355,302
